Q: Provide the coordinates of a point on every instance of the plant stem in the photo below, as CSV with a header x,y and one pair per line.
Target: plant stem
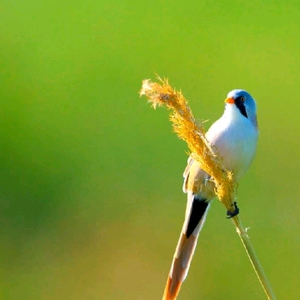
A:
x,y
242,232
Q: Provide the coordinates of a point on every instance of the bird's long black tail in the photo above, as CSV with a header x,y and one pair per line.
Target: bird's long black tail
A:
x,y
194,219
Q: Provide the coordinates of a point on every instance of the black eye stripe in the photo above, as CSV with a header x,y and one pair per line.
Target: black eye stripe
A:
x,y
239,102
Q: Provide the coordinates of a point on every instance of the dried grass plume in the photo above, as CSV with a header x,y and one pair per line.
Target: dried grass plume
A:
x,y
192,132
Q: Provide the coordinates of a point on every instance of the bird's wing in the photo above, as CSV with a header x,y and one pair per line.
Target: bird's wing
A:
x,y
186,172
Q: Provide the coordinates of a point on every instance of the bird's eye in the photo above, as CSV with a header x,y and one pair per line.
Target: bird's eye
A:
x,y
242,98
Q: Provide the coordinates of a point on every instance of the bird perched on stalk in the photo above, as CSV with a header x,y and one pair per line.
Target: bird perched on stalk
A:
x,y
234,136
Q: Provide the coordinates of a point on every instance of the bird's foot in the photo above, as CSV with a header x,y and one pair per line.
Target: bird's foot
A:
x,y
236,211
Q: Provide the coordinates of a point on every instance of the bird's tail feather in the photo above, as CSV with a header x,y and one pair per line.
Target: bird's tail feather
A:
x,y
195,217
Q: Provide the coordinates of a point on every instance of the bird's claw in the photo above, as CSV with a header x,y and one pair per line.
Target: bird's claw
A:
x,y
236,211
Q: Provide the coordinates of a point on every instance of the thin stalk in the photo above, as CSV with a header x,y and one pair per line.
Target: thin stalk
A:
x,y
242,232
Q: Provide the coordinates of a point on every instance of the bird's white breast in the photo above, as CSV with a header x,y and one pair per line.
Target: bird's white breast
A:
x,y
235,139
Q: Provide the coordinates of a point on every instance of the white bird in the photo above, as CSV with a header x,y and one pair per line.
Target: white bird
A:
x,y
234,136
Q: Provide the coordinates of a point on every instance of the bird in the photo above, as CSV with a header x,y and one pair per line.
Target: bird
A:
x,y
234,137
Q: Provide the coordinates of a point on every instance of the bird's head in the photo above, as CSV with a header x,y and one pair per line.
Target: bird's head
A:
x,y
245,104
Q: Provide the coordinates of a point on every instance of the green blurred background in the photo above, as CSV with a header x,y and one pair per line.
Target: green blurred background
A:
x,y
90,176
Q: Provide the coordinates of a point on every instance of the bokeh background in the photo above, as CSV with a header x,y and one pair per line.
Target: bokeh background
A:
x,y
90,176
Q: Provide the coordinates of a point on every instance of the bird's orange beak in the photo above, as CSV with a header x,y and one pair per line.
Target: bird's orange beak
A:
x,y
229,100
